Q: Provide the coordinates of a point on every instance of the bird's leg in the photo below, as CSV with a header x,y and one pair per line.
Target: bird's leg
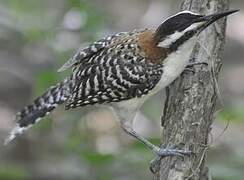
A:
x,y
162,152
155,163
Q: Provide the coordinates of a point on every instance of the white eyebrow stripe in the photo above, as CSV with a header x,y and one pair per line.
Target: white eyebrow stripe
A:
x,y
181,12
187,11
170,39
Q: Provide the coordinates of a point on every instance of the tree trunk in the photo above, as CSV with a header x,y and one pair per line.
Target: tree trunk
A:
x,y
191,100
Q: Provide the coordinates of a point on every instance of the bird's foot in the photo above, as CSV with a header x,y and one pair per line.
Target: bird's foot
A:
x,y
165,152
155,164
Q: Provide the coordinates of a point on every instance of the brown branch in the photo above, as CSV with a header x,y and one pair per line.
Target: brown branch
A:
x,y
191,100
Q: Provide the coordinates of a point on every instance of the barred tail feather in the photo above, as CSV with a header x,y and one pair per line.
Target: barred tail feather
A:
x,y
41,106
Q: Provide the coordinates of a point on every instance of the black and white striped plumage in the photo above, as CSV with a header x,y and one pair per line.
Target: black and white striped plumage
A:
x,y
40,107
110,70
115,73
122,71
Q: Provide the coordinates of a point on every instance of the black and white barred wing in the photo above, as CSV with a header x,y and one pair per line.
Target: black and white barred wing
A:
x,y
113,80
84,54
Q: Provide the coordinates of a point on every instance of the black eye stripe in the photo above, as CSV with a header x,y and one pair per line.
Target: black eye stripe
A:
x,y
180,41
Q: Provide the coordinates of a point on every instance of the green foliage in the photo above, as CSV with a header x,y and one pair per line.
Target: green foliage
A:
x,y
44,125
24,7
44,80
234,115
12,172
95,18
104,177
96,159
75,141
30,17
35,34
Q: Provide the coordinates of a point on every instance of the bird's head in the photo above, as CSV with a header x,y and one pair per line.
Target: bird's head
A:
x,y
181,27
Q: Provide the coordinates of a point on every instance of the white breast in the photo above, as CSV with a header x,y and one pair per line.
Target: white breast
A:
x,y
175,64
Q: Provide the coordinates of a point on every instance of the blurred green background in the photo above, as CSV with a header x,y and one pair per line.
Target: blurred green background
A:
x,y
37,37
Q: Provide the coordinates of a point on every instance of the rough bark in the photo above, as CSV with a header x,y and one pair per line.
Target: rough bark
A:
x,y
191,100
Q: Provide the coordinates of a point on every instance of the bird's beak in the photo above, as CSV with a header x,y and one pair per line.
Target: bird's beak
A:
x,y
209,19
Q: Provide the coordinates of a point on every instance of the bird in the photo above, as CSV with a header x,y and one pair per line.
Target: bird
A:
x,y
122,71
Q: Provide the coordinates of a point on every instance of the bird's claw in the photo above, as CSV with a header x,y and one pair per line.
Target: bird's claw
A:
x,y
191,64
155,164
164,152
189,67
